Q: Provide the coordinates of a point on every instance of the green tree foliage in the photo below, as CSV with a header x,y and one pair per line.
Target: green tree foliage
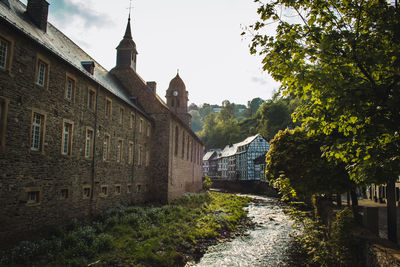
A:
x,y
205,109
196,122
275,115
342,58
295,166
222,129
254,105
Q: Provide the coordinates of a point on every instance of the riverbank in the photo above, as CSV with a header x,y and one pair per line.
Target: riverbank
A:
x,y
167,235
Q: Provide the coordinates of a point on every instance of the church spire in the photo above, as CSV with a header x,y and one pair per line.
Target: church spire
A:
x,y
126,50
128,32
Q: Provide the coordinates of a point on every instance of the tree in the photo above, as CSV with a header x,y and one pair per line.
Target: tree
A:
x,y
205,109
295,156
343,59
227,112
296,167
196,122
254,105
193,106
274,116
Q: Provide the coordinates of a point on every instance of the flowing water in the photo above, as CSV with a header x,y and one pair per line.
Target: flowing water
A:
x,y
268,244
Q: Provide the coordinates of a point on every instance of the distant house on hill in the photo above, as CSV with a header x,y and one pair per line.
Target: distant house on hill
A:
x,y
247,151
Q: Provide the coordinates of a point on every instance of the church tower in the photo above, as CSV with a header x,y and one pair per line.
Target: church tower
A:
x,y
177,99
126,50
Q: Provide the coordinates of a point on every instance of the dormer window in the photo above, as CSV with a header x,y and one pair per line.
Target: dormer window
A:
x,y
88,66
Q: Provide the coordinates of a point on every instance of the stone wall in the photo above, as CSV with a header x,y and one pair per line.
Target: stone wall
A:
x,y
186,164
254,187
171,175
48,171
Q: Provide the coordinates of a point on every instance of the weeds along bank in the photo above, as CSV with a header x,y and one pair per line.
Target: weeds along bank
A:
x,y
157,236
331,244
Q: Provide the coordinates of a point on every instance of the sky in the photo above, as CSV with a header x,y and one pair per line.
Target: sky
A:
x,y
200,38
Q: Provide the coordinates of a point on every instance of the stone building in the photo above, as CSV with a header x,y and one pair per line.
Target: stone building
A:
x,y
76,139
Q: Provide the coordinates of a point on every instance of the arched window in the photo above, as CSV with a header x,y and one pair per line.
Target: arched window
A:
x,y
172,103
176,140
183,144
178,104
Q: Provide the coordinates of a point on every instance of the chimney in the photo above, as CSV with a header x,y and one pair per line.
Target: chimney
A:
x,y
38,11
152,86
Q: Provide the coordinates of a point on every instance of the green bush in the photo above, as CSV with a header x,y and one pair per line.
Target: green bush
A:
x,y
207,183
330,247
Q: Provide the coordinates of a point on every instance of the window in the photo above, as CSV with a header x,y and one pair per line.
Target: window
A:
x,y
69,88
64,193
191,151
37,131
3,121
140,155
6,49
138,188
148,130
141,125
119,151
104,191
33,197
130,152
88,143
106,148
91,101
132,121
121,116
86,192
129,188
176,140
108,108
187,149
42,72
117,189
183,144
66,148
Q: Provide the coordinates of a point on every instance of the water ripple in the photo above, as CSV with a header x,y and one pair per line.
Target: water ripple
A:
x,y
265,245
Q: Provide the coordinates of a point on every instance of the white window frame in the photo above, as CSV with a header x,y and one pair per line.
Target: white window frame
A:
x,y
37,131
89,142
67,135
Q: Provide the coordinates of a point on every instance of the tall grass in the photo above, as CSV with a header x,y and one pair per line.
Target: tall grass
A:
x,y
156,236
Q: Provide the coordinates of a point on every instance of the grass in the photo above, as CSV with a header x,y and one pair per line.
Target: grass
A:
x,y
155,236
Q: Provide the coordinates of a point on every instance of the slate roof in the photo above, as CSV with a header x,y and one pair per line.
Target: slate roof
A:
x,y
232,150
13,12
208,155
248,140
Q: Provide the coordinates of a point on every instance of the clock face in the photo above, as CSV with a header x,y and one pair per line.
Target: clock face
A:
x,y
175,93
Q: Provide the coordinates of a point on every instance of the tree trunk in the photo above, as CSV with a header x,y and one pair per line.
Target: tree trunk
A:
x,y
391,211
354,205
348,199
339,200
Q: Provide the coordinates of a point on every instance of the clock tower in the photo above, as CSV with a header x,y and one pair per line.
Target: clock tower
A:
x,y
177,99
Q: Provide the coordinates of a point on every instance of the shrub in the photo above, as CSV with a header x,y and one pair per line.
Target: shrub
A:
x,y
207,183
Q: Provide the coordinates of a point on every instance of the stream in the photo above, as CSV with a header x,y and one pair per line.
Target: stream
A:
x,y
268,244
